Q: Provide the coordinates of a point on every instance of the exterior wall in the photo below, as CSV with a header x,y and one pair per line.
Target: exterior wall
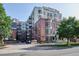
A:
x,y
14,34
35,14
14,28
40,30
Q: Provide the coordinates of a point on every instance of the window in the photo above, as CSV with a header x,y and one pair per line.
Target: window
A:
x,y
50,14
30,22
30,26
14,25
39,11
54,15
47,14
30,18
47,24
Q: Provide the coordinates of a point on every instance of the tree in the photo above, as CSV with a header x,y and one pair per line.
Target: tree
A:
x,y
76,29
5,24
67,28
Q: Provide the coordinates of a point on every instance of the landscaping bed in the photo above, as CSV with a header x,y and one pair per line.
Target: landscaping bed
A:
x,y
71,44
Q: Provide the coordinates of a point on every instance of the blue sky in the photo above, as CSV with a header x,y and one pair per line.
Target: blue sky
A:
x,y
22,11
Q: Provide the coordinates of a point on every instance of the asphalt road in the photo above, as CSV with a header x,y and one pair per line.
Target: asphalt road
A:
x,y
34,50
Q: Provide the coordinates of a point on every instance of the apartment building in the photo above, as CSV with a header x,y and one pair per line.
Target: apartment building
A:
x,y
44,23
21,31
18,30
14,28
29,29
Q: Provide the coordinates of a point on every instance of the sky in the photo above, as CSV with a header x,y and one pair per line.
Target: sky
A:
x,y
22,11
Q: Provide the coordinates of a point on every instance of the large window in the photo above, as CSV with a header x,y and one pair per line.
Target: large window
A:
x,y
50,14
30,26
55,15
30,18
46,24
39,11
14,25
30,23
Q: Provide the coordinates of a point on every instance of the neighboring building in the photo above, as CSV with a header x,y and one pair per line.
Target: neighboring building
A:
x,y
18,30
44,23
14,28
29,29
21,31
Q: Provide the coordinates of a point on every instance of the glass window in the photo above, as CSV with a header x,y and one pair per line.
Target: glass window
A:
x,y
39,11
30,22
54,15
47,23
50,14
30,26
30,18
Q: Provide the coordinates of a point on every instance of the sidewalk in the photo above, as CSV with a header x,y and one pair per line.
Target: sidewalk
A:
x,y
15,48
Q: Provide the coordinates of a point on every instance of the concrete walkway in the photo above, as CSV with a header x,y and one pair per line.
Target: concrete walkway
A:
x,y
13,48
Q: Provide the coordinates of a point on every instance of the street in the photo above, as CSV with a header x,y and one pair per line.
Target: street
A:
x,y
35,50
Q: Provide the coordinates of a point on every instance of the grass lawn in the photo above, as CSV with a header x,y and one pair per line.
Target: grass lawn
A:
x,y
62,45
72,44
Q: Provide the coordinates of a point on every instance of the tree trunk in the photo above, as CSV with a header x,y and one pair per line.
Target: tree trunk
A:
x,y
1,40
68,41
